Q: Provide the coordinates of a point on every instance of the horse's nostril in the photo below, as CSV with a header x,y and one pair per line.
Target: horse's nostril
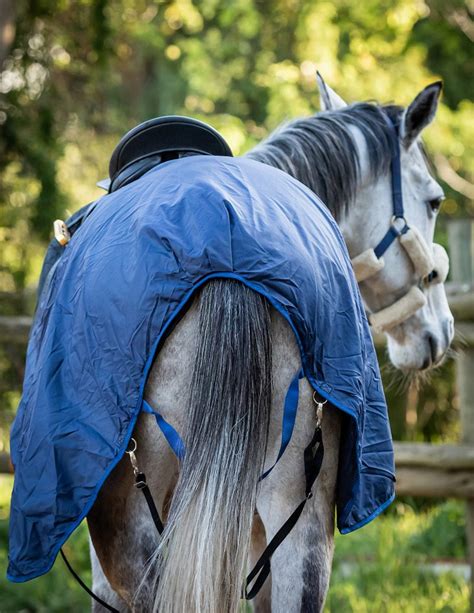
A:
x,y
434,346
426,363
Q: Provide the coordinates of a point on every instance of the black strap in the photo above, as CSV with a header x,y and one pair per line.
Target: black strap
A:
x,y
84,586
313,459
141,484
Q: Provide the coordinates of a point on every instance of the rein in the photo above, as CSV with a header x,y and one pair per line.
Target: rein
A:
x,y
431,263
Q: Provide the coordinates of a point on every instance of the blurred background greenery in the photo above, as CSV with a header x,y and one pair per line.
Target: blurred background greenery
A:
x,y
75,75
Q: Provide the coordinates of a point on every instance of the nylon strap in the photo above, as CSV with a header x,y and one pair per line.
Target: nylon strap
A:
x,y
313,459
141,484
290,409
396,181
170,434
84,586
395,167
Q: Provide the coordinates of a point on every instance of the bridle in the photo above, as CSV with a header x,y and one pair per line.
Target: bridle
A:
x,y
431,262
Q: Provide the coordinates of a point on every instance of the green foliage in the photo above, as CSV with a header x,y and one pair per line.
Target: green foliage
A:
x,y
423,411
80,73
388,565
444,535
55,592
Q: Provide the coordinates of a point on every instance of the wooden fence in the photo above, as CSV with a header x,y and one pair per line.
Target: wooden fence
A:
x,y
423,469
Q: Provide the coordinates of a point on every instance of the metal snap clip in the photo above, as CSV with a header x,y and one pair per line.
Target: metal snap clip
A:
x,y
319,409
132,456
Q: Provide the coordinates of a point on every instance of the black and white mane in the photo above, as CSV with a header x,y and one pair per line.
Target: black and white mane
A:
x,y
321,152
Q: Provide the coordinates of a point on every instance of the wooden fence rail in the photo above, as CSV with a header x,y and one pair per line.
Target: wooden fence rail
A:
x,y
423,469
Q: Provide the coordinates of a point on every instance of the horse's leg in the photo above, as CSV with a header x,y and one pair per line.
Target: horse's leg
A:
x,y
301,566
262,603
122,531
121,528
102,588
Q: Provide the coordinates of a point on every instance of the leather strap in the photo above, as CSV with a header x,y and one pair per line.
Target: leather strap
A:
x,y
313,459
84,586
141,484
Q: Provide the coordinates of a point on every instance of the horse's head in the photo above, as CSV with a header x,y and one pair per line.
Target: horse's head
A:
x,y
401,272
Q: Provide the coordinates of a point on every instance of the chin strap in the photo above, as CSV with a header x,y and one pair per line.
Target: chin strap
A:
x,y
431,262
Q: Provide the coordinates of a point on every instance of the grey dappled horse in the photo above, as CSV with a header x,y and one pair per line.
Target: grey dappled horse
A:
x,y
218,517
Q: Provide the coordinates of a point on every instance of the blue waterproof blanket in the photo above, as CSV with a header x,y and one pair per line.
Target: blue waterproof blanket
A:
x,y
125,275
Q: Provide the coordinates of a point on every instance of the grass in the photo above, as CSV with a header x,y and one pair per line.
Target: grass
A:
x,y
388,564
379,569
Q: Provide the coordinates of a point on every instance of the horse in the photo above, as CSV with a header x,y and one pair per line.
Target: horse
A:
x,y
218,516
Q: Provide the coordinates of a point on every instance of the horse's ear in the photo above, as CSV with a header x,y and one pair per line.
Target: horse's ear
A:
x,y
420,113
330,101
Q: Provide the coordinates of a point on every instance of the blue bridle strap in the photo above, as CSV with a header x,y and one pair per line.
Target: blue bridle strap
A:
x,y
397,197
391,234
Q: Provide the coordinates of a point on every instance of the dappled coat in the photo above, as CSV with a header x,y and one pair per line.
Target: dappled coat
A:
x,y
125,276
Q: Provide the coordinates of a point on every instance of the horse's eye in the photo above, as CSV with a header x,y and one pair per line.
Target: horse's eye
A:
x,y
435,203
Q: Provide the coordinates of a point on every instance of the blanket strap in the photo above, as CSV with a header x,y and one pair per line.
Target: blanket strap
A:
x,y
313,459
290,409
141,484
84,586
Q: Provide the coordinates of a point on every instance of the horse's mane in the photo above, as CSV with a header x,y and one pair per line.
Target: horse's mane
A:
x,y
320,151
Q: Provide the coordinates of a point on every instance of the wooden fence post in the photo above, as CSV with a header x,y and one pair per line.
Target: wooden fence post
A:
x,y
461,239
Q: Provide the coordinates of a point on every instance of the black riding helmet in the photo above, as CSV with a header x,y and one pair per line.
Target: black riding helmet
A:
x,y
159,140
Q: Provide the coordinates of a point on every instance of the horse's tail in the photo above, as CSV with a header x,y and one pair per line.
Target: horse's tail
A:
x,y
202,558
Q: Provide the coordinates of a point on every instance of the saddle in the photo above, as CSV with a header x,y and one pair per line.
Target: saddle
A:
x,y
145,146
159,140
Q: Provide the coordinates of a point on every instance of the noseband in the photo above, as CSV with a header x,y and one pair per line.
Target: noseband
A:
x,y
431,263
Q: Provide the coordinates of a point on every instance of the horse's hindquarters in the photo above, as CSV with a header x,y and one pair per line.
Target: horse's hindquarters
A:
x,y
123,534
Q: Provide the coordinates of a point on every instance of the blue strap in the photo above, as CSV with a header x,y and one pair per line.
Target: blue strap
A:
x,y
289,417
391,234
397,197
396,169
170,434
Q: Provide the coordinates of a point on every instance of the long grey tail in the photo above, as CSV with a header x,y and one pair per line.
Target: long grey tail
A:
x,y
201,563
